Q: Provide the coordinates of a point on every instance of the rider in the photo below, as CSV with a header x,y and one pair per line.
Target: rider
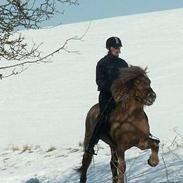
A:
x,y
107,71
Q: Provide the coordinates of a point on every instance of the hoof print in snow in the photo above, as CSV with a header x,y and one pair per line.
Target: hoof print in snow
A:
x,y
74,150
51,149
35,180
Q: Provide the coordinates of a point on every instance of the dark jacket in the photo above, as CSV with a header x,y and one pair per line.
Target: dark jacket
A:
x,y
107,71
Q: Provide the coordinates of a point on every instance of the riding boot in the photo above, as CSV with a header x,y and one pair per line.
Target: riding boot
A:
x,y
106,104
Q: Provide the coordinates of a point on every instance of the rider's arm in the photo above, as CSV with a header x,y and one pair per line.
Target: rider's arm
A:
x,y
100,77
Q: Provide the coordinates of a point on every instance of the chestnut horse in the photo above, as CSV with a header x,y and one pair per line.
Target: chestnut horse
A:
x,y
128,123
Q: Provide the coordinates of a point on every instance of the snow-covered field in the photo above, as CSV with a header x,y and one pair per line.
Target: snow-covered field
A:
x,y
43,109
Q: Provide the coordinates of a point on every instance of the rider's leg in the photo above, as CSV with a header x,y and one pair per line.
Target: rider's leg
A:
x,y
105,101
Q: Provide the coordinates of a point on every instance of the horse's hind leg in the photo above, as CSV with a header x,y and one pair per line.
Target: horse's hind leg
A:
x,y
87,158
114,165
121,166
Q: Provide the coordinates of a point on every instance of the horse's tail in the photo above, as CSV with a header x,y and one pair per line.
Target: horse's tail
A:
x,y
86,161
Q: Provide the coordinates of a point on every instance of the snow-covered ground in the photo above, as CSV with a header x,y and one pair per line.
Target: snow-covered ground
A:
x,y
46,105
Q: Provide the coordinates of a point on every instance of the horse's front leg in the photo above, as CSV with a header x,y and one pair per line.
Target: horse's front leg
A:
x,y
154,158
152,144
121,166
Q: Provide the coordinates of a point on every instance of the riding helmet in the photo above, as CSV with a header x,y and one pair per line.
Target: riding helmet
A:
x,y
114,42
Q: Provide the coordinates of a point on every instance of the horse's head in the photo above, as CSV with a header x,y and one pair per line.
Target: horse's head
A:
x,y
133,83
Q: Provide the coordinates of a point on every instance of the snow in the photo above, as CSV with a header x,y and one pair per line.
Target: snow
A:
x,y
28,165
47,104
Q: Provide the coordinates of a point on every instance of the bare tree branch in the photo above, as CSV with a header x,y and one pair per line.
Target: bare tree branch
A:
x,y
23,14
16,15
44,58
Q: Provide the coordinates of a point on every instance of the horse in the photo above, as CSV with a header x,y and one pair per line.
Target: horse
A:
x,y
128,123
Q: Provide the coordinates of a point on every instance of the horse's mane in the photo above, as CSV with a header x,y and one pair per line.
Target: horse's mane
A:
x,y
121,86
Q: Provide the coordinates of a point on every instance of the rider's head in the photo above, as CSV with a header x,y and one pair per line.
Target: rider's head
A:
x,y
113,44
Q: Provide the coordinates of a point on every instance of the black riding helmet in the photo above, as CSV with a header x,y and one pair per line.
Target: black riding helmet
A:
x,y
114,42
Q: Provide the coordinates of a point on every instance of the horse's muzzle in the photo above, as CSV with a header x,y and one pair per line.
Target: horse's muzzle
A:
x,y
151,97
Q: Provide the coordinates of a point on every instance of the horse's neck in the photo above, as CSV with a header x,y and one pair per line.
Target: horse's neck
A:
x,y
130,106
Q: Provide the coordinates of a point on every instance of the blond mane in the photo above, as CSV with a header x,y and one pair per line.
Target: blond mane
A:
x,y
121,86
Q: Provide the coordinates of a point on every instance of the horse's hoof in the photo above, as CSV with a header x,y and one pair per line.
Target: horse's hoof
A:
x,y
153,163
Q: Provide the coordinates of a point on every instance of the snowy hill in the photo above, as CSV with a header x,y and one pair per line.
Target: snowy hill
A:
x,y
46,105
